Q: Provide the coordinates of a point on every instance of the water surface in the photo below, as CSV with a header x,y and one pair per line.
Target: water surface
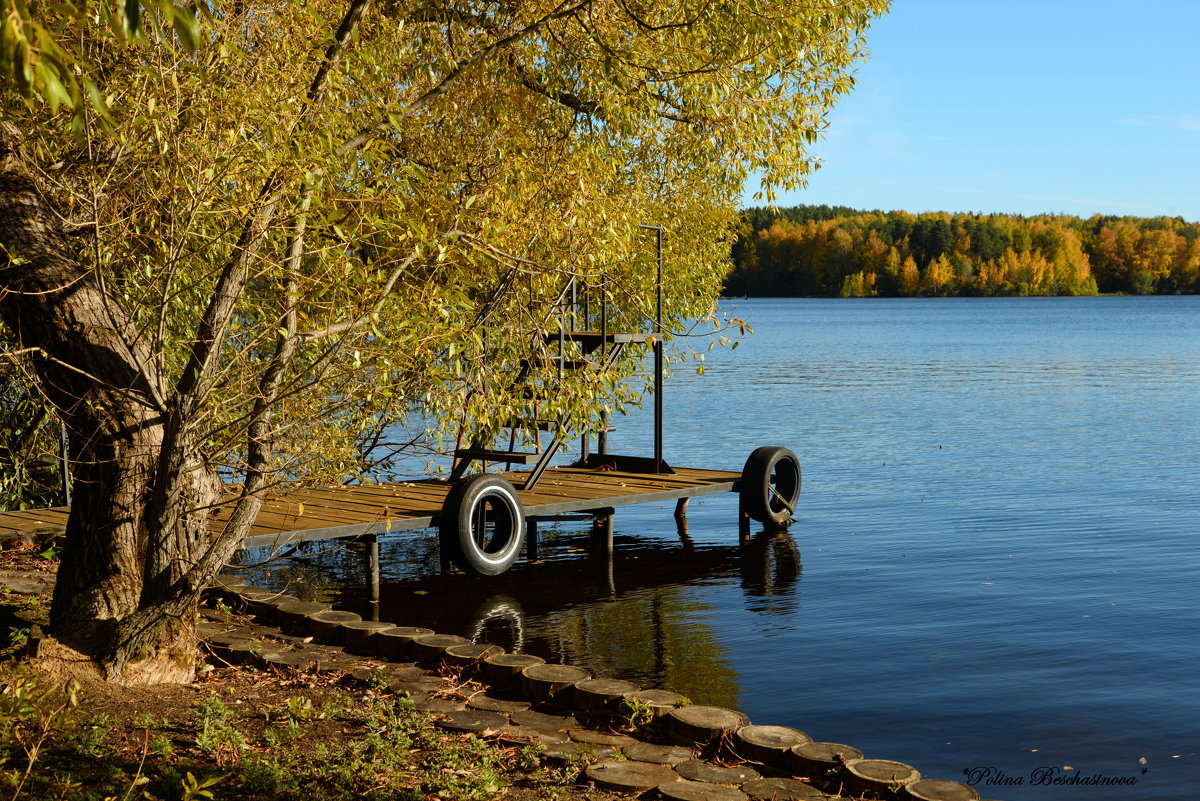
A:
x,y
993,564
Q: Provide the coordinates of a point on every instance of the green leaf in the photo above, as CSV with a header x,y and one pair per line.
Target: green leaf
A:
x,y
133,19
187,28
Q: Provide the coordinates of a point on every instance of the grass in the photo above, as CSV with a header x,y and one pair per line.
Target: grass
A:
x,y
253,735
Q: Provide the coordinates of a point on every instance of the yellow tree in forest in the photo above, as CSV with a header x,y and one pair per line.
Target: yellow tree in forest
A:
x,y
936,277
910,278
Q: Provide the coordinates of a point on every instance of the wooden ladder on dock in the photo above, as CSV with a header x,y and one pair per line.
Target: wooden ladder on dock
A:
x,y
577,327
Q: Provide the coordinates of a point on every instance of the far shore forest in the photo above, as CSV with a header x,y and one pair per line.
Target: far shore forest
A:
x,y
835,251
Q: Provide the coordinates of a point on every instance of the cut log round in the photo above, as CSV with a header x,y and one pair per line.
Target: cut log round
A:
x,y
475,721
781,789
414,688
358,636
293,616
461,656
437,705
430,647
593,737
239,650
595,694
261,603
405,673
938,790
696,723
629,777
517,732
229,635
491,703
229,585
395,643
504,670
291,660
821,762
878,777
370,676
659,702
206,630
699,791
699,770
768,744
323,625
577,752
541,683
658,754
558,725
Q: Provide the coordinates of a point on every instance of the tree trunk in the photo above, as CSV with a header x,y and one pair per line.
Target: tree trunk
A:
x,y
139,514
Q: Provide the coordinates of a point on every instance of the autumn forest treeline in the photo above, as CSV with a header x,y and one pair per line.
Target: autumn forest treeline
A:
x,y
838,251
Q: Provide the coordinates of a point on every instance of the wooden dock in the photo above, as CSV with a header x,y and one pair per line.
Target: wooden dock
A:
x,y
302,515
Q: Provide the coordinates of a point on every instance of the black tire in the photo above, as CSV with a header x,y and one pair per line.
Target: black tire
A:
x,y
771,485
482,525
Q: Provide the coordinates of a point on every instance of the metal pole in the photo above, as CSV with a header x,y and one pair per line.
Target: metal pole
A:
x,y
373,574
658,358
602,436
658,348
64,465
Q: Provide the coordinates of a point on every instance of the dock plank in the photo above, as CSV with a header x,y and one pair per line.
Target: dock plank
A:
x,y
356,510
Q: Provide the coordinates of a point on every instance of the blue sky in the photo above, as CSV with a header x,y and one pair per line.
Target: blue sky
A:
x,y
1073,106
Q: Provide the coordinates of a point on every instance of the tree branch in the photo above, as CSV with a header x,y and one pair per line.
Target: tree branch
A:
x,y
565,9
349,325
210,335
571,101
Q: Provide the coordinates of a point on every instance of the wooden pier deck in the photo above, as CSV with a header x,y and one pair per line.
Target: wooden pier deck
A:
x,y
358,510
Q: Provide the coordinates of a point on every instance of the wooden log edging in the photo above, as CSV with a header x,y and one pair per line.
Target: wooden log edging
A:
x,y
667,753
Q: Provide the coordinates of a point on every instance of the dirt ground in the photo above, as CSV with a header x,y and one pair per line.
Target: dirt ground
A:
x,y
253,733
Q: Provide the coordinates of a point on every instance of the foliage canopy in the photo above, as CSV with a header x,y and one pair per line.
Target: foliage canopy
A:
x,y
392,185
248,237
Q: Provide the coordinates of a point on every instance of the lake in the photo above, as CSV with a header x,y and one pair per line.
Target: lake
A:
x,y
993,566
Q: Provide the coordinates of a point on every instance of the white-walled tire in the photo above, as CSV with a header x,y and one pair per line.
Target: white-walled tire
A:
x,y
482,524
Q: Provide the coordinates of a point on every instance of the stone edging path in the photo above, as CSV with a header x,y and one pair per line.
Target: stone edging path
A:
x,y
674,750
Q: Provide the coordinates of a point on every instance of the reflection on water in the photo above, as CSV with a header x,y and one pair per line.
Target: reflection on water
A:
x,y
632,614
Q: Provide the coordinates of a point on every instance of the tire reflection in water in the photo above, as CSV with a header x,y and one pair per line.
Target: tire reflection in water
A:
x,y
499,620
770,566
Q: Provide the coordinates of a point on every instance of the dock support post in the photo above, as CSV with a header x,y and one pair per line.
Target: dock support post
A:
x,y
373,574
681,523
602,546
681,507
602,532
531,539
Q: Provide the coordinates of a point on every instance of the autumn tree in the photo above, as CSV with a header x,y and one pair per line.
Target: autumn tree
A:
x,y
909,278
242,240
987,255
